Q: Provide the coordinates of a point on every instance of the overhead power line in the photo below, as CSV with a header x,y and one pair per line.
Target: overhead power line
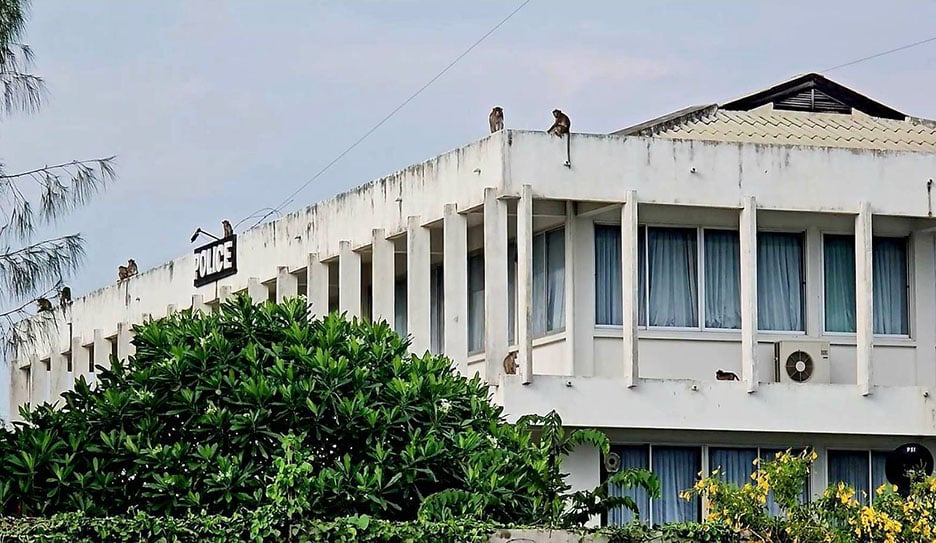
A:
x,y
393,112
881,54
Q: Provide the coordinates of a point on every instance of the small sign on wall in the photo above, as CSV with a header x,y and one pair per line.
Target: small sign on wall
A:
x,y
216,260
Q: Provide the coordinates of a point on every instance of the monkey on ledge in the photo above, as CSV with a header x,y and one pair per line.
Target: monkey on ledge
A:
x,y
561,125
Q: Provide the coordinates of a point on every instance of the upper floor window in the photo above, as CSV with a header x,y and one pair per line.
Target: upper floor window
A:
x,y
780,282
548,282
890,284
476,302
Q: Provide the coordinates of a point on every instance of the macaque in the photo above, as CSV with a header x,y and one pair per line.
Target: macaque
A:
x,y
228,229
496,119
726,376
65,297
510,363
562,124
131,268
44,304
122,273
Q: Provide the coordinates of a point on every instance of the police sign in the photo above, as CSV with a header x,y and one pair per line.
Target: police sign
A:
x,y
216,260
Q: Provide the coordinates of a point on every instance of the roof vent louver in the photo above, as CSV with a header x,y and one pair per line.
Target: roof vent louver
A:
x,y
812,100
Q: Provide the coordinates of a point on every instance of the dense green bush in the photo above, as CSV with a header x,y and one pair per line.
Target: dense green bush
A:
x,y
262,408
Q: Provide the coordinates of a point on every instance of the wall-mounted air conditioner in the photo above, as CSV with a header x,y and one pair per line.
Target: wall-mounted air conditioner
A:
x,y
802,361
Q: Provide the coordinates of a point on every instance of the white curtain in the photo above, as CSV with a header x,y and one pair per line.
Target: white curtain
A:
x,y
851,468
889,273
734,465
476,302
399,307
676,468
608,300
554,291
722,279
437,309
673,274
839,261
780,282
631,458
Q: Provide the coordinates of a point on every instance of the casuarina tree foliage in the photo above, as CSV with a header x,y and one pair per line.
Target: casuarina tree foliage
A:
x,y
262,406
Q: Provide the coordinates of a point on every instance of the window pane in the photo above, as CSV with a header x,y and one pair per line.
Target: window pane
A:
x,y
772,506
889,273
511,292
780,282
878,475
555,279
676,468
539,284
399,307
437,309
673,274
734,465
851,468
839,262
476,302
631,458
722,279
608,304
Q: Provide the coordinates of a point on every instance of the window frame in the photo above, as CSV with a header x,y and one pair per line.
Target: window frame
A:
x,y
468,257
804,271
565,279
908,241
869,453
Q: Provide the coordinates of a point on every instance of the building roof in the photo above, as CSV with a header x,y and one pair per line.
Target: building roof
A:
x,y
807,110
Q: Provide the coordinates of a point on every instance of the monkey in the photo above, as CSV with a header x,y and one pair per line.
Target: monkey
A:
x,y
131,268
726,375
562,124
510,363
65,297
44,304
228,229
122,273
496,119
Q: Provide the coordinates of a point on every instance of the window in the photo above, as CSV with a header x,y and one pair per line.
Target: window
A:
x,y
780,282
548,282
399,307
676,468
476,302
437,309
736,465
672,264
609,305
722,279
862,470
890,284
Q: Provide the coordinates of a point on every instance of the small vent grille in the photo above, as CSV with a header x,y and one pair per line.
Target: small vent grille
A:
x,y
812,100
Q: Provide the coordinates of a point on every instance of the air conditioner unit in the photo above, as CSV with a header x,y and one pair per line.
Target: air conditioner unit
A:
x,y
802,361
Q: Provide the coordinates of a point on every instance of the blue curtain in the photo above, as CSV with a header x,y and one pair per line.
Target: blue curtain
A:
x,y
851,468
475,302
555,279
677,469
608,300
399,307
889,273
839,261
631,458
722,279
673,274
437,309
878,475
780,282
735,465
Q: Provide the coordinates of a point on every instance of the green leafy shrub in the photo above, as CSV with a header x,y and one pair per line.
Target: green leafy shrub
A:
x,y
262,408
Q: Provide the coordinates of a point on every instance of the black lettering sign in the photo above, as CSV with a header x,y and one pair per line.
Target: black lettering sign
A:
x,y
216,260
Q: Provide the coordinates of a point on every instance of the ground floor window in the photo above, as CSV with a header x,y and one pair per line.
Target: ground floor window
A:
x,y
676,468
862,470
735,465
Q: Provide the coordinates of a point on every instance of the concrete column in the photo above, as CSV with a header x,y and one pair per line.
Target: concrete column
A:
x,y
525,284
40,376
569,258
317,283
225,292
382,277
418,284
864,297
455,281
198,303
748,249
80,361
257,291
61,377
349,280
124,337
630,286
287,284
102,350
495,284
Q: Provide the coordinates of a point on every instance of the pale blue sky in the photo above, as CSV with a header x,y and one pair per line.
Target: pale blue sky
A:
x,y
217,108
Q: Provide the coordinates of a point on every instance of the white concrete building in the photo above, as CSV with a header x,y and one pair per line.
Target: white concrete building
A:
x,y
786,237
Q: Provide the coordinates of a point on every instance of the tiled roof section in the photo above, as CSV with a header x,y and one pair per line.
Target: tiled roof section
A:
x,y
780,127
